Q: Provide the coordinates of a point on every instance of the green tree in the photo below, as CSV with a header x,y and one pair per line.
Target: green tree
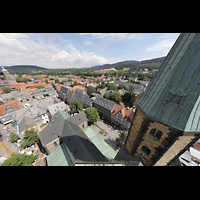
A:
x,y
30,137
75,106
6,89
119,87
101,86
106,95
37,78
20,160
126,96
69,80
92,115
13,137
121,139
56,81
40,86
75,83
126,87
116,97
111,87
90,90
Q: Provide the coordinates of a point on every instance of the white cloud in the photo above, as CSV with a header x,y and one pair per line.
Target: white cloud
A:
x,y
107,36
45,50
88,43
163,46
131,36
76,58
13,40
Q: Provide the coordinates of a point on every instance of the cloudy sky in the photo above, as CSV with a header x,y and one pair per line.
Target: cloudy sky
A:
x,y
67,50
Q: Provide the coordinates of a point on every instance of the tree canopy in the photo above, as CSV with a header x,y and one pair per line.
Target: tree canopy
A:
x,y
13,137
6,89
76,106
126,87
40,86
92,115
30,137
90,90
116,97
121,139
20,160
75,83
111,87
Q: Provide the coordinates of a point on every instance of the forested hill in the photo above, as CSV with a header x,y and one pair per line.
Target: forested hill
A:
x,y
16,67
134,65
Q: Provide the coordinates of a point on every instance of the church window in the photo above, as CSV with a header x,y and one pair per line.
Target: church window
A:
x,y
146,150
159,135
153,131
175,99
156,134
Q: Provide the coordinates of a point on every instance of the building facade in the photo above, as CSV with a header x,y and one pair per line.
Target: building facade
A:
x,y
167,118
104,107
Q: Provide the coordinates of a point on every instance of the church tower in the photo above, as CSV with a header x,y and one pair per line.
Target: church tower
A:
x,y
167,118
6,73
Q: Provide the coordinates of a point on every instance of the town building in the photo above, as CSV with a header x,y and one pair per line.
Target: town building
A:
x,y
68,94
8,110
166,121
71,139
58,106
122,117
104,107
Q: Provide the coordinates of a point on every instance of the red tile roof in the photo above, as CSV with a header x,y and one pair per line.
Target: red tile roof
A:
x,y
77,87
117,108
197,146
14,104
2,109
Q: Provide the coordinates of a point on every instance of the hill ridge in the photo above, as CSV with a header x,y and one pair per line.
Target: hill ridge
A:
x,y
15,67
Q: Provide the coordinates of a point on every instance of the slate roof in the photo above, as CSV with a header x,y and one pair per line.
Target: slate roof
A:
x,y
32,111
79,95
26,123
78,119
178,75
59,116
108,104
55,107
78,145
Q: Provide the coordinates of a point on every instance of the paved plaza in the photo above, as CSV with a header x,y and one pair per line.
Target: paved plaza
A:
x,y
111,135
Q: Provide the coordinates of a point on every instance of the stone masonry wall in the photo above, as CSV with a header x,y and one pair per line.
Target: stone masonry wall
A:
x,y
163,149
178,145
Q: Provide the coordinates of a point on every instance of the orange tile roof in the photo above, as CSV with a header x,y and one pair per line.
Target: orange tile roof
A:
x,y
197,146
117,108
14,104
77,87
2,109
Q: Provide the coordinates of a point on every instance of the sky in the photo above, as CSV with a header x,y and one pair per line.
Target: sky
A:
x,y
68,50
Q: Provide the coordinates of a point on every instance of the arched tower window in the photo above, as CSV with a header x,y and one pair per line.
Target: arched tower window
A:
x,y
159,135
156,134
153,131
146,150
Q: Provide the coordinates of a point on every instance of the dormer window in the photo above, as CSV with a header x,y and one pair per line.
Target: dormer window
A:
x,y
175,99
